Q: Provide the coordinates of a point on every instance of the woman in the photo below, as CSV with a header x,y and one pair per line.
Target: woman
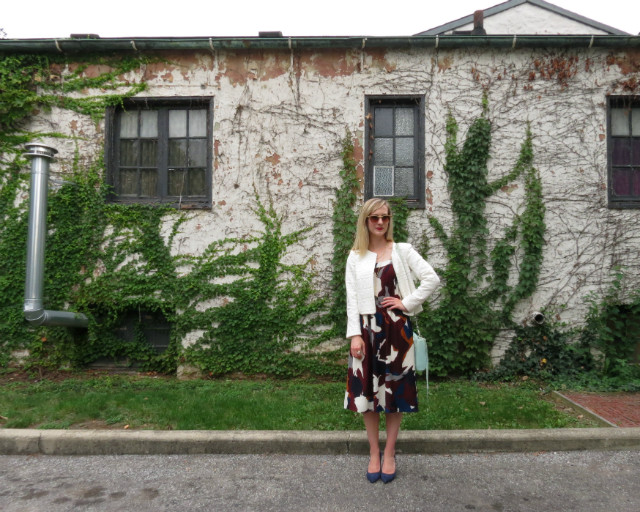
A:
x,y
380,295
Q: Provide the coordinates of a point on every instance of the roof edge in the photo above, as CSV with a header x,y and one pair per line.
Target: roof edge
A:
x,y
147,44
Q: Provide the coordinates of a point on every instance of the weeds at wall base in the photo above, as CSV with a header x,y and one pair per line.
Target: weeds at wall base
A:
x,y
562,358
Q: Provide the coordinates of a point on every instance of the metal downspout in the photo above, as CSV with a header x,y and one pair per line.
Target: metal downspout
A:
x,y
34,311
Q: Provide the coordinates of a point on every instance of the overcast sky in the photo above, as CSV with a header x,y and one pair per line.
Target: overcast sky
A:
x,y
216,18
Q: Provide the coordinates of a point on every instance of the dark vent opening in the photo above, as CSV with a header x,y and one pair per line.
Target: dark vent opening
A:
x,y
136,326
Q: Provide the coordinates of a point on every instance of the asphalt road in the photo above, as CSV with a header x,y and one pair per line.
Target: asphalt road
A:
x,y
550,481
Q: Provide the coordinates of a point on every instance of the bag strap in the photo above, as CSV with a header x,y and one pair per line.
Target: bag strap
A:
x,y
426,372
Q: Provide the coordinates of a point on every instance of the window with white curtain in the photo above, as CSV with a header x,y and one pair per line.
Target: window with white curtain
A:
x,y
159,150
395,148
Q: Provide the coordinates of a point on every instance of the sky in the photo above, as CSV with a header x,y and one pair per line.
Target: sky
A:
x,y
241,18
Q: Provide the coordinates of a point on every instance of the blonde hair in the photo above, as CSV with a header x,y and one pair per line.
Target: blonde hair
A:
x,y
361,243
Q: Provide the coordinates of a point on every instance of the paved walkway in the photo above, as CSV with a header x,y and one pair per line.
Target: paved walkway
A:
x,y
619,409
589,481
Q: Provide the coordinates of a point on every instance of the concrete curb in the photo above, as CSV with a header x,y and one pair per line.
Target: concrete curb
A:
x,y
162,442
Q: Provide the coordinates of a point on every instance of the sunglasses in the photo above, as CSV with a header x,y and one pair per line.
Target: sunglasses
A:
x,y
378,218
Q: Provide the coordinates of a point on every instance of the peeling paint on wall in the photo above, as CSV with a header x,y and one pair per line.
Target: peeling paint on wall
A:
x,y
241,67
629,62
279,117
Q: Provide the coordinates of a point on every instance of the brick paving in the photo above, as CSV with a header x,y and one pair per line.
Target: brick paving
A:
x,y
621,409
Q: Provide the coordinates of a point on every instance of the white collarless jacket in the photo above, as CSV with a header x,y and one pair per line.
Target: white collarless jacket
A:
x,y
359,283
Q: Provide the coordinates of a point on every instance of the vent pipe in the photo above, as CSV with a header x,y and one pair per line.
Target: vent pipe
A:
x,y
34,311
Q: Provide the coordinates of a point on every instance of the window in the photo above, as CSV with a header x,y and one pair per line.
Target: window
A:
x,y
134,326
159,151
152,326
394,134
624,152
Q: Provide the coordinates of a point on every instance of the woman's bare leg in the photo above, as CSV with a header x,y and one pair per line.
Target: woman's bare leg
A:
x,y
393,421
372,424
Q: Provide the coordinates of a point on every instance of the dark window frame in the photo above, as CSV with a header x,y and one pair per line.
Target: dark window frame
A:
x,y
112,150
418,103
614,201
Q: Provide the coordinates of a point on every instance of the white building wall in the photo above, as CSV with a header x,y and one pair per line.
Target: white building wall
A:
x,y
279,119
531,19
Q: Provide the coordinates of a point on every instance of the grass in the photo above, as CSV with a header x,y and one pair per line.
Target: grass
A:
x,y
142,402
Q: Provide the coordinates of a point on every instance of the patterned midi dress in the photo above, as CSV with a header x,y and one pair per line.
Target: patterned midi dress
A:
x,y
384,380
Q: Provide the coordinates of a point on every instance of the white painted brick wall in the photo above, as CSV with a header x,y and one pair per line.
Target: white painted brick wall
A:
x,y
279,121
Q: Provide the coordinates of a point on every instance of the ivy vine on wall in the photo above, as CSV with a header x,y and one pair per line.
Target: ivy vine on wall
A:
x,y
29,83
265,310
243,307
344,219
108,260
478,296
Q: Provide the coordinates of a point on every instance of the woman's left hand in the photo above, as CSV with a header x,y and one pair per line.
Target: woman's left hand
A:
x,y
392,303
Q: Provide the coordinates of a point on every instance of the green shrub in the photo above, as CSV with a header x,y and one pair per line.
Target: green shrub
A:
x,y
545,352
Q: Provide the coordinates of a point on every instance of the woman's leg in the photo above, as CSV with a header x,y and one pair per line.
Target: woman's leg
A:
x,y
372,424
393,421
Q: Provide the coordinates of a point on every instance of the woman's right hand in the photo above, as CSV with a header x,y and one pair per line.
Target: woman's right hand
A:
x,y
357,347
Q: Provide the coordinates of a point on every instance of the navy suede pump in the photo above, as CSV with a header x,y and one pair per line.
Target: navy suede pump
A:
x,y
374,477
387,477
